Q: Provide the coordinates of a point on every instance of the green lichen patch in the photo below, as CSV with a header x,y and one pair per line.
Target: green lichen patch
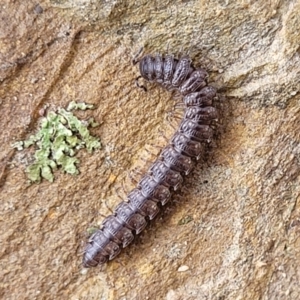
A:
x,y
90,231
81,105
185,220
60,136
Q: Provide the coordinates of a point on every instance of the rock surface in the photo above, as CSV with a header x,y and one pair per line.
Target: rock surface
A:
x,y
241,240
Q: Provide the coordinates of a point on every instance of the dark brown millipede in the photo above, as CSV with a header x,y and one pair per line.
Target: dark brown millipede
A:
x,y
175,161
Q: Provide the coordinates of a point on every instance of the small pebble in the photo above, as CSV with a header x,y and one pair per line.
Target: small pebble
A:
x,y
183,268
38,9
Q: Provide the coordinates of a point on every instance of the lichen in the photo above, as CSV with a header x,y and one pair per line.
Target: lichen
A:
x,y
60,136
185,220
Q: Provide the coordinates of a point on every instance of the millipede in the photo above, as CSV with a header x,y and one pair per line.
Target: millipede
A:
x,y
175,161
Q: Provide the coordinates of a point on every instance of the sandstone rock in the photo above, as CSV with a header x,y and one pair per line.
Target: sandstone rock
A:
x,y
243,240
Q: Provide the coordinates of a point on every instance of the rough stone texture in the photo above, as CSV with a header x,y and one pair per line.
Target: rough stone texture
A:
x,y
243,241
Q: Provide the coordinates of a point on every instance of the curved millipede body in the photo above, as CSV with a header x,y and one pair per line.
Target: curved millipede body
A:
x,y
175,161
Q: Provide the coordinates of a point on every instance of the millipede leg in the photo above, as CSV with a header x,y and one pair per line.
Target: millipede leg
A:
x,y
118,194
149,152
163,135
171,116
108,207
124,189
132,179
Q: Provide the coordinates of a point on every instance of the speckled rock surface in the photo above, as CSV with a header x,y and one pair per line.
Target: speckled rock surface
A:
x,y
242,201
